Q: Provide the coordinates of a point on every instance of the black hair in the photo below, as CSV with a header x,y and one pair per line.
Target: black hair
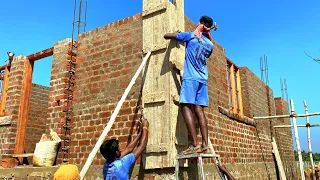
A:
x,y
207,21
109,149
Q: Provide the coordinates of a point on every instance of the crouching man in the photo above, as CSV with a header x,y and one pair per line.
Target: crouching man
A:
x,y
118,164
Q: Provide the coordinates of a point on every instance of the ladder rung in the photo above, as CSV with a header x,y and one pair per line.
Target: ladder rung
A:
x,y
199,155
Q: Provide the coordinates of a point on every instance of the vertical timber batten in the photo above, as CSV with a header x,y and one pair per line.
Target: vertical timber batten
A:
x,y
168,133
4,90
24,107
239,93
233,90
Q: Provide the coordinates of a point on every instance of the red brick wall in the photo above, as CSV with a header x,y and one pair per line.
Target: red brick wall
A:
x,y
258,101
57,92
284,140
37,114
37,120
8,132
108,57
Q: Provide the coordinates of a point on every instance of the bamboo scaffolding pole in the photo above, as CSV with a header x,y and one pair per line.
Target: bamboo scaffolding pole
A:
x,y
309,140
299,126
297,140
112,119
288,116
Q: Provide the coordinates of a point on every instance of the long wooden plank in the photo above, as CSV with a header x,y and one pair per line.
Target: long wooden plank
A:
x,y
278,159
239,93
22,155
40,55
233,90
4,90
24,108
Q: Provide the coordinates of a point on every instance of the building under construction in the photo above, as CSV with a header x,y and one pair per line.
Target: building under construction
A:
x,y
88,78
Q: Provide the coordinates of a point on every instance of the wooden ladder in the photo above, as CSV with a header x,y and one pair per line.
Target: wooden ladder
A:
x,y
200,157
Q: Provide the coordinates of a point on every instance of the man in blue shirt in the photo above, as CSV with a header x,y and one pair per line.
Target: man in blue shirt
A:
x,y
194,88
118,163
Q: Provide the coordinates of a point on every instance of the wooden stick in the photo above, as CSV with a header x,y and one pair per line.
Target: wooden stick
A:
x,y
112,119
297,141
4,90
309,141
215,161
278,159
24,108
299,126
289,116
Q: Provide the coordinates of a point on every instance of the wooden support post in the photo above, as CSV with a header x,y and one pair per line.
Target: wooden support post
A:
x,y
239,93
24,108
233,90
4,90
42,54
278,159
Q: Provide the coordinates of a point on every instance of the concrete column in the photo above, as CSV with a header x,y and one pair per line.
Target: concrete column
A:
x,y
167,132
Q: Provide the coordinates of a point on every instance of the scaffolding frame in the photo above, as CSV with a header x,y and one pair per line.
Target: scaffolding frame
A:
x,y
293,115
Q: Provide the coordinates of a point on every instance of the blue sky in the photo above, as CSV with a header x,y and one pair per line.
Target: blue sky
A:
x,y
282,30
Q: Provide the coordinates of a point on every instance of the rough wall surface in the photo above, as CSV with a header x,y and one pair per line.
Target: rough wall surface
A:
x,y
284,140
259,101
37,120
108,57
8,131
106,61
57,91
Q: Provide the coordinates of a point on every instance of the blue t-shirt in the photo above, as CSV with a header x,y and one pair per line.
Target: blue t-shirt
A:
x,y
197,53
118,169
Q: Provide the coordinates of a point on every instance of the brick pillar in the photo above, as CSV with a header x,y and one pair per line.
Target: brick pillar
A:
x,y
245,92
284,139
12,105
57,92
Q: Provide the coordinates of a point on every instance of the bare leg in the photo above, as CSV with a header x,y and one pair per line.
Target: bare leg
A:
x,y
203,124
188,117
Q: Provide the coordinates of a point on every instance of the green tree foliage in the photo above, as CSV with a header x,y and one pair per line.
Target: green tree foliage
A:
x,y
306,157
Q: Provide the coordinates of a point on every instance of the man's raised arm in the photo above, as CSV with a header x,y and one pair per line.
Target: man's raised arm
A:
x,y
170,36
143,141
130,147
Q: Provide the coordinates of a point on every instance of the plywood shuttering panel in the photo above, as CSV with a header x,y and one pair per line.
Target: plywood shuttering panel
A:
x,y
167,131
